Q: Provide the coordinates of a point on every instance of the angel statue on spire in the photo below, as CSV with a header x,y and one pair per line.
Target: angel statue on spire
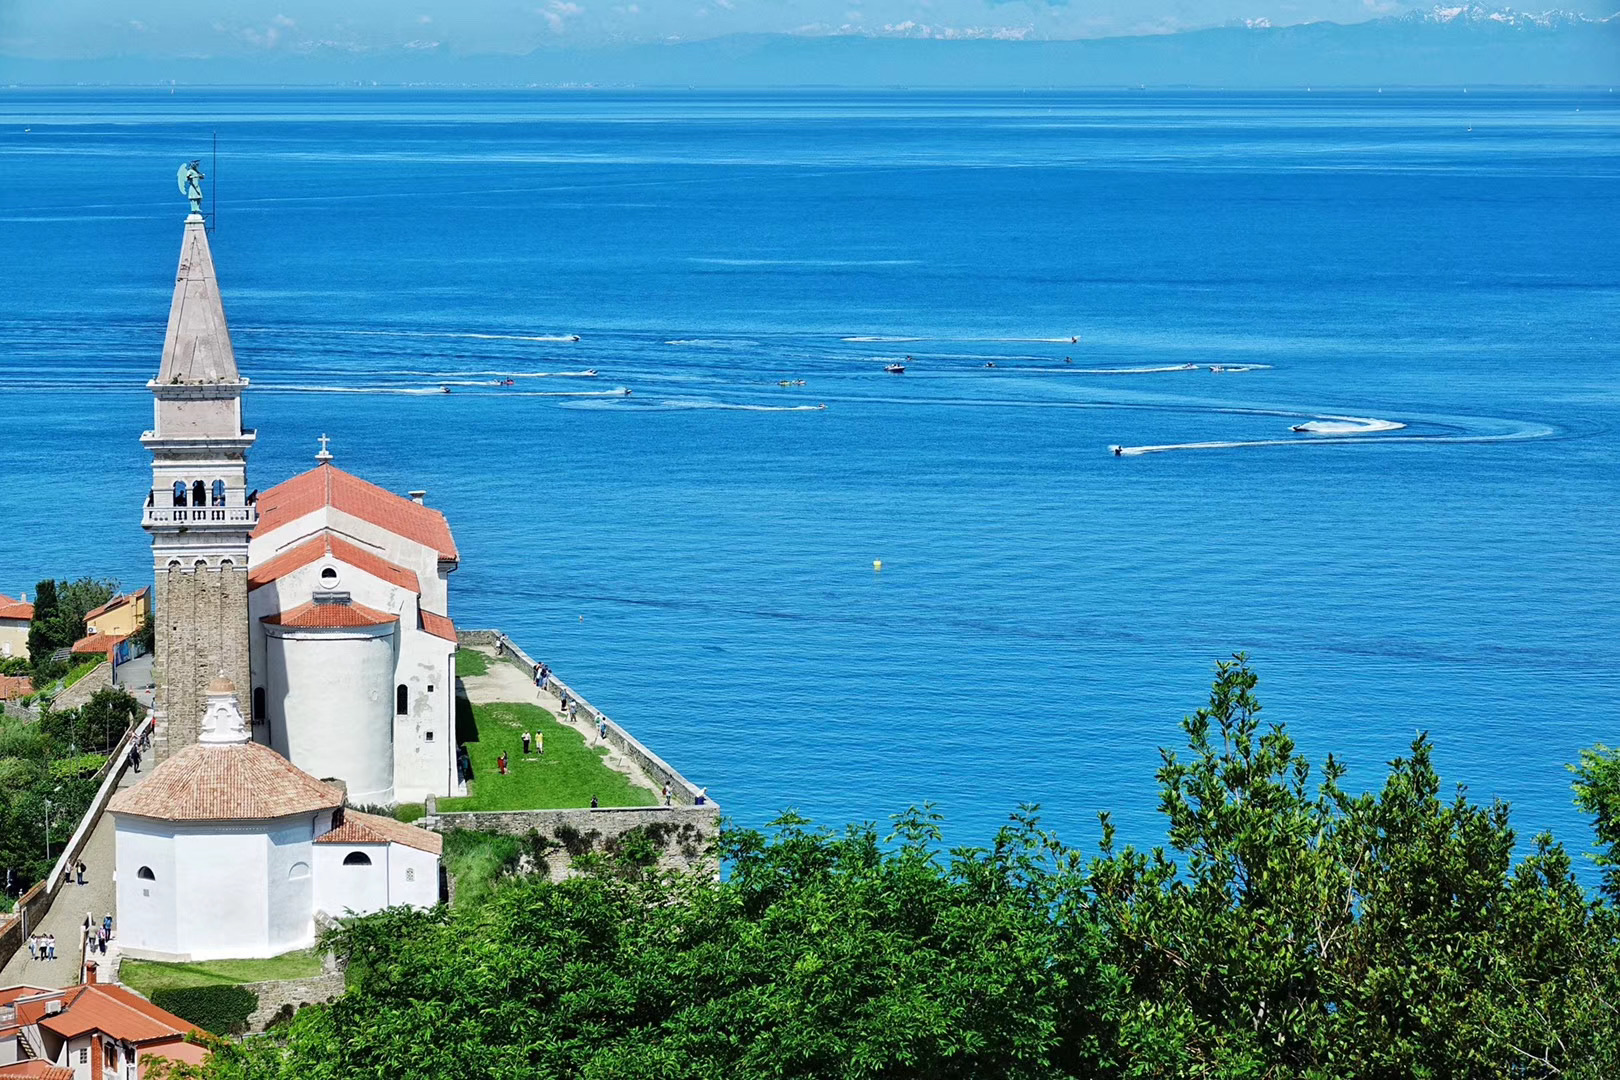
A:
x,y
191,178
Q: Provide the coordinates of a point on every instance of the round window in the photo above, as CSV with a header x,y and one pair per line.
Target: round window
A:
x,y
329,576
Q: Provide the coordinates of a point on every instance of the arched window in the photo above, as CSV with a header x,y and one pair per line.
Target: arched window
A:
x,y
357,858
298,871
219,493
179,493
402,700
258,703
145,874
199,494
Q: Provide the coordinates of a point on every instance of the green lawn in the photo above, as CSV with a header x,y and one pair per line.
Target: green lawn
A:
x,y
471,662
148,976
565,776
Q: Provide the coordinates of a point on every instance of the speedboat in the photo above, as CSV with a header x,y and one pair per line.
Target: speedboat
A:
x,y
895,369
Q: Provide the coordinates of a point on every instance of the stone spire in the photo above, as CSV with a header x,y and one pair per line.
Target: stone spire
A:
x,y
197,348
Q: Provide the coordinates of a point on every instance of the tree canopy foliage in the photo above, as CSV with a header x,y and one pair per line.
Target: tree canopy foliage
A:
x,y
59,611
1289,929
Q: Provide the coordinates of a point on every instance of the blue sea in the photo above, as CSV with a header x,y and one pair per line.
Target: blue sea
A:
x,y
697,556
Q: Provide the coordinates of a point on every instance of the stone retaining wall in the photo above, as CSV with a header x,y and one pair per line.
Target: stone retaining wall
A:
x,y
294,992
685,834
99,677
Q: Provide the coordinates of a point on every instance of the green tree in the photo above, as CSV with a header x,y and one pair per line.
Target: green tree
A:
x,y
43,629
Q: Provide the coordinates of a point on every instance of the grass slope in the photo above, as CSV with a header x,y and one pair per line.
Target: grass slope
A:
x,y
565,776
471,662
148,976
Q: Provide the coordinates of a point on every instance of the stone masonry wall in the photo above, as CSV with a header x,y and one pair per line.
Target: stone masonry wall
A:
x,y
202,633
97,678
685,833
294,992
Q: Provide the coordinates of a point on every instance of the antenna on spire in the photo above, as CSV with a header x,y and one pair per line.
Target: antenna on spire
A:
x,y
325,455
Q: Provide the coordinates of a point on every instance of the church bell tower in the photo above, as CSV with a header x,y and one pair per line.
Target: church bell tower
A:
x,y
197,510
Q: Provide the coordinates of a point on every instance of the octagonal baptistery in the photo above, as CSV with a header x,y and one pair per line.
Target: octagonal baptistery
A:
x,y
215,849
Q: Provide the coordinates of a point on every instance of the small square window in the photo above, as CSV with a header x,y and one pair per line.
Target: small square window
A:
x,y
430,736
430,688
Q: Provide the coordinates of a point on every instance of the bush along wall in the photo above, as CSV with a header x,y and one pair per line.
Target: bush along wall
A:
x,y
222,1010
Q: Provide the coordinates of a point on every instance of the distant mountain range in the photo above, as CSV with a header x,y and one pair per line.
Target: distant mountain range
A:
x,y
1462,45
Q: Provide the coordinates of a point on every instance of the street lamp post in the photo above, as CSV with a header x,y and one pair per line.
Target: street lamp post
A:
x,y
47,830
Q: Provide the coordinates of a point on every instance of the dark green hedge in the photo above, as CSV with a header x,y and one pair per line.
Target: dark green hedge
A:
x,y
223,1010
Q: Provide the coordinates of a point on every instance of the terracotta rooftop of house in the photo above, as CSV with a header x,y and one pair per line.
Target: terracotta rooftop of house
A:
x,y
98,643
14,609
358,828
438,625
327,485
116,602
340,549
116,1012
15,686
35,1069
328,616
12,993
212,782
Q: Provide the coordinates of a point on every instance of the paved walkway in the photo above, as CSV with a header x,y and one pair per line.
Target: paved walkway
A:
x,y
506,682
65,918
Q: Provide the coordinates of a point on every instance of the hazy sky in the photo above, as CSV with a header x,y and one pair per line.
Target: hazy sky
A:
x,y
83,28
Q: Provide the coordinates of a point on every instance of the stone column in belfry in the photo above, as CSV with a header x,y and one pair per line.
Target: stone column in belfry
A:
x,y
197,509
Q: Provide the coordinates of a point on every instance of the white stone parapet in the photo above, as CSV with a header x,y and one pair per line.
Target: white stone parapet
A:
x,y
200,515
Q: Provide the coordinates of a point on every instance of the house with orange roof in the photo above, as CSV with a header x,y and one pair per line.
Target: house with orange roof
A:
x,y
15,615
122,615
88,1032
351,646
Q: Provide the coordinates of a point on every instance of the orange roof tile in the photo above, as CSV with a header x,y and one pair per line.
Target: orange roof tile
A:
x,y
14,609
206,782
340,549
15,686
327,485
358,828
438,625
191,1053
12,993
98,643
317,615
115,602
35,1069
116,1012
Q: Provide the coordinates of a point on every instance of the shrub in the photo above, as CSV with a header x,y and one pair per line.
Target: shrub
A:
x,y
222,1010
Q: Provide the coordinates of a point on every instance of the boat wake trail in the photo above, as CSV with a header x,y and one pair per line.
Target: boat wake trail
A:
x,y
418,334
1363,430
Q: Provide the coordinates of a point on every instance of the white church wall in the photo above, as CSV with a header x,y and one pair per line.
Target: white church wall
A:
x,y
335,689
413,877
401,551
146,907
222,892
290,875
424,739
341,887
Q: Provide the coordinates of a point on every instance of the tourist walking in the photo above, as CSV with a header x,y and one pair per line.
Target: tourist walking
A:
x,y
106,922
50,946
525,744
593,802
33,947
666,793
500,762
79,870
539,744
601,728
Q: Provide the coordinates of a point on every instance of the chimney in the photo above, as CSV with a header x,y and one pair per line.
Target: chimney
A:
x,y
90,973
419,497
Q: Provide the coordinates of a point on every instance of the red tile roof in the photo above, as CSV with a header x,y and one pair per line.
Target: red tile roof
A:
x,y
15,686
14,609
327,485
115,1011
115,602
358,828
12,993
340,549
314,615
98,643
438,625
190,1053
228,782
35,1069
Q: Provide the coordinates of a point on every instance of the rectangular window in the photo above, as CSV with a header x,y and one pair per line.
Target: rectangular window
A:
x,y
84,1055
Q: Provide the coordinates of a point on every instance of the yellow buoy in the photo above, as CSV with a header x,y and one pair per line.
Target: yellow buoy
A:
x,y
877,564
